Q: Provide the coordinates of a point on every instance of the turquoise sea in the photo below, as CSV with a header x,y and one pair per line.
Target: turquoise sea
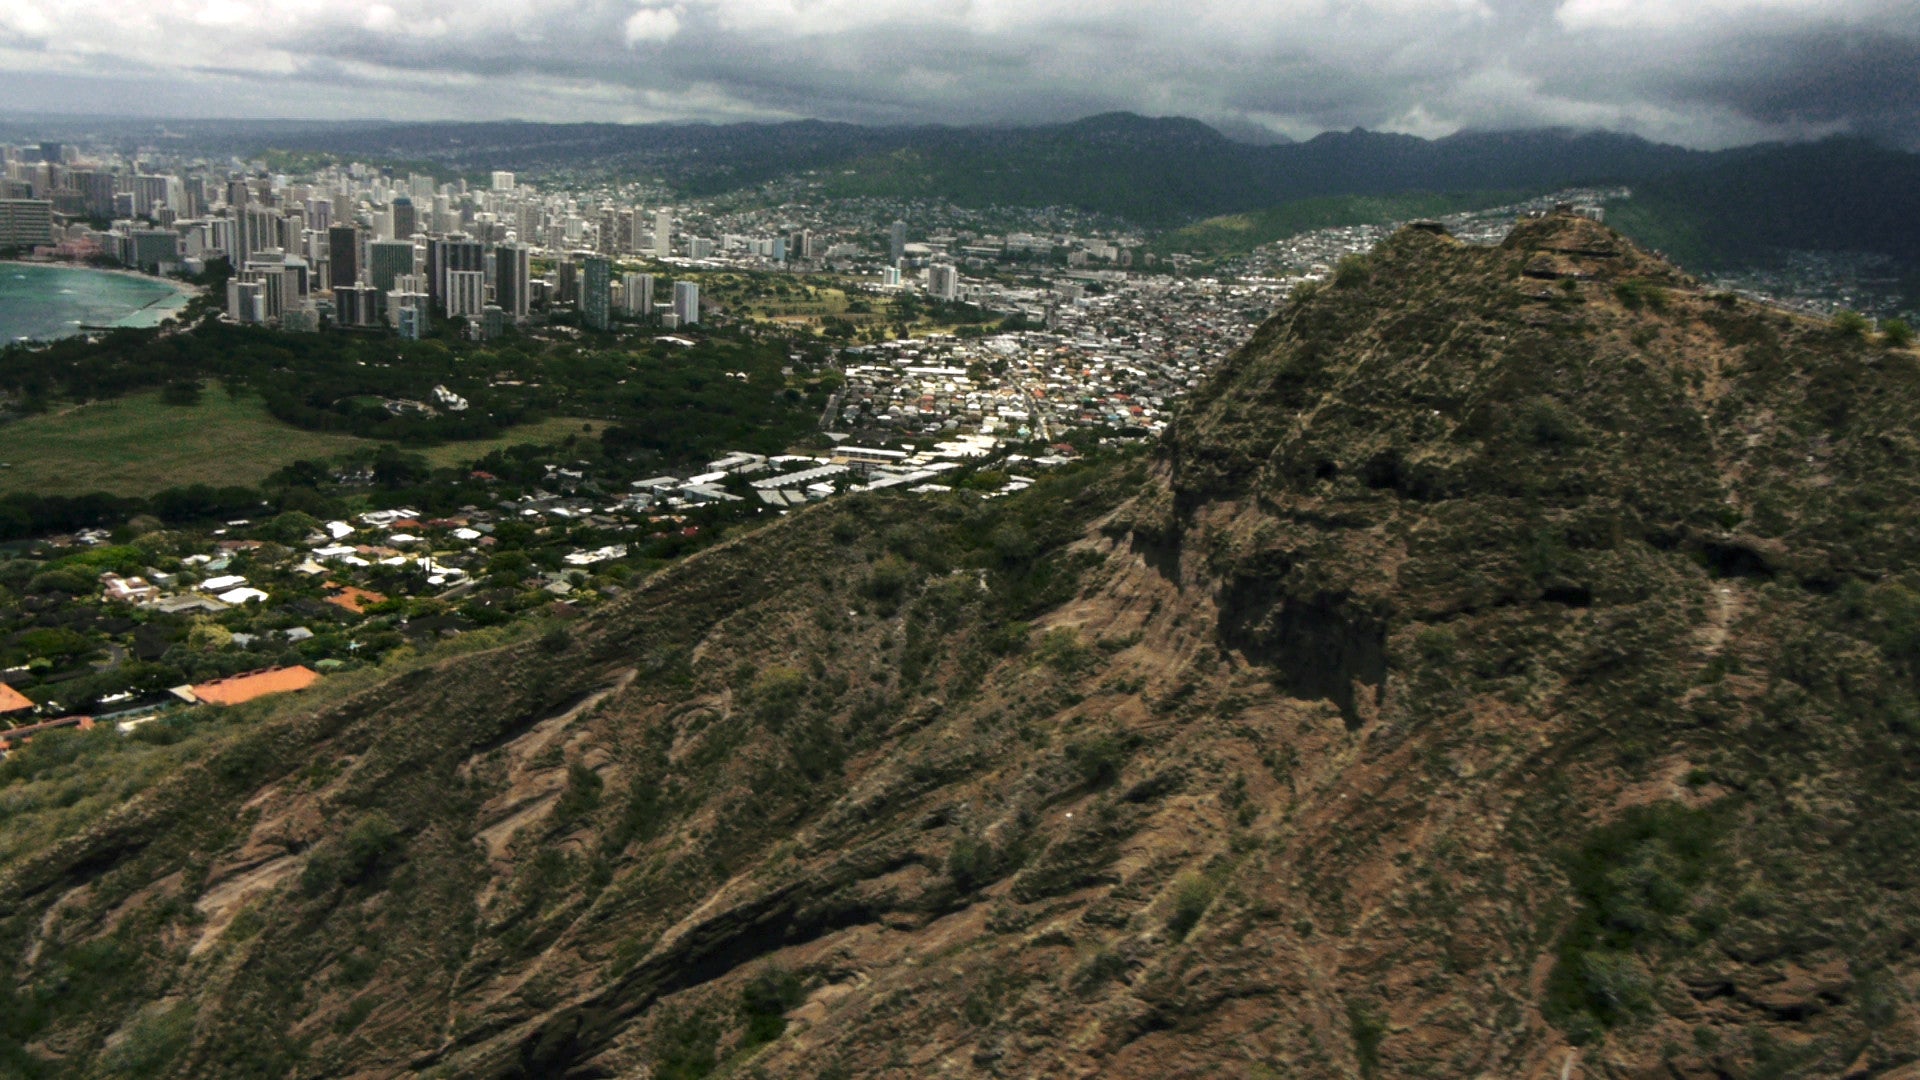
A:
x,y
47,302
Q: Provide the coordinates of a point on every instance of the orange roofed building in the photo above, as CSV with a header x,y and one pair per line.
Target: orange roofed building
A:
x,y
354,598
255,684
12,700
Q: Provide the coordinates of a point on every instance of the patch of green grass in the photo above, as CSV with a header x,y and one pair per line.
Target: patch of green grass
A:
x,y
539,432
137,445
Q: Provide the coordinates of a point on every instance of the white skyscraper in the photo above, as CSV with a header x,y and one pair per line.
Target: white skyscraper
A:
x,y
502,181
662,234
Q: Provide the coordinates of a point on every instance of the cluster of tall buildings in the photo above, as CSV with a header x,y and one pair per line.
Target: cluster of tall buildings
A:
x,y
354,245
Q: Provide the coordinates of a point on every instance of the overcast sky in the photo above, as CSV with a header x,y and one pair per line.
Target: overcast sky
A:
x,y
1704,73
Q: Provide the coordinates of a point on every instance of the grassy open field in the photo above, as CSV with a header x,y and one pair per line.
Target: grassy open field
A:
x,y
136,445
551,430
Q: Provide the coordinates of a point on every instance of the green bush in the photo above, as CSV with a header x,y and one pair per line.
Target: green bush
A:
x,y
776,695
1098,760
1636,293
683,1047
581,796
1851,324
1896,334
368,848
1191,898
1102,968
971,863
1636,880
888,579
1368,1029
1351,272
764,1003
1062,650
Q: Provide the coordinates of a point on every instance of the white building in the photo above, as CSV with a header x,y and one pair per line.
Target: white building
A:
x,y
943,281
686,303
466,293
636,294
662,234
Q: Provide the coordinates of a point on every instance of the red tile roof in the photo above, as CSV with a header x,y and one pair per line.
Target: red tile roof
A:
x,y
12,700
256,684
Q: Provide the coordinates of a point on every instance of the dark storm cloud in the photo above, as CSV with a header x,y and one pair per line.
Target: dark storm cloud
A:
x,y
1704,72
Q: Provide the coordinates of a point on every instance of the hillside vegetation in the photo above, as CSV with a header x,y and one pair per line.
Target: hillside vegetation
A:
x,y
1507,668
1237,234
1835,195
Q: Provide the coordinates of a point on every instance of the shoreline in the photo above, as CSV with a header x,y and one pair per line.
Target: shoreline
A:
x,y
183,288
148,315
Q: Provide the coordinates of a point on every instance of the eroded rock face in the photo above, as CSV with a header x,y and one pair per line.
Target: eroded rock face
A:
x,y
1495,676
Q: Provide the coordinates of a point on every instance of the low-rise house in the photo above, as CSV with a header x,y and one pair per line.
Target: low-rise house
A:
x,y
133,590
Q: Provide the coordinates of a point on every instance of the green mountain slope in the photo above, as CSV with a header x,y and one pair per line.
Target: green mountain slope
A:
x,y
1234,234
1506,669
1835,195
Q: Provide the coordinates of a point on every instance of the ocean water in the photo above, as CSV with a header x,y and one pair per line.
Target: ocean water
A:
x,y
48,302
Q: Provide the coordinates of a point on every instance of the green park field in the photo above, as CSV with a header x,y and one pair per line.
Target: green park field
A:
x,y
138,445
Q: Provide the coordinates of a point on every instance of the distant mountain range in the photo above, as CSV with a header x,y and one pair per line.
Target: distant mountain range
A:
x,y
1708,209
1153,171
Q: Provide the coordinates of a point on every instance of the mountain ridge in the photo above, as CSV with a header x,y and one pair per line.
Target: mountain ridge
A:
x,y
1505,668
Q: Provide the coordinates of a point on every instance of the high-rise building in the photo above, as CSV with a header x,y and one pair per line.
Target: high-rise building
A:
x,y
466,293
149,195
511,270
897,246
636,294
407,304
388,260
155,249
943,281
96,190
596,292
356,305
343,255
25,222
502,181
405,222
566,285
699,247
637,231
447,254
257,228
246,300
662,233
686,302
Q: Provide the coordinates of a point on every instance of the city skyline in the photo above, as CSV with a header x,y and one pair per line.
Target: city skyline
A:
x,y
1708,73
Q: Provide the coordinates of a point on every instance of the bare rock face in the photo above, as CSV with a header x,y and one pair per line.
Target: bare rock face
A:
x,y
1495,674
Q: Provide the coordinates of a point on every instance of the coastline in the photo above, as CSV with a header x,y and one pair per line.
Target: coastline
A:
x,y
146,316
184,288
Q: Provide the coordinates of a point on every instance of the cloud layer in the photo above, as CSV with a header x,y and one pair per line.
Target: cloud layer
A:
x,y
1699,72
